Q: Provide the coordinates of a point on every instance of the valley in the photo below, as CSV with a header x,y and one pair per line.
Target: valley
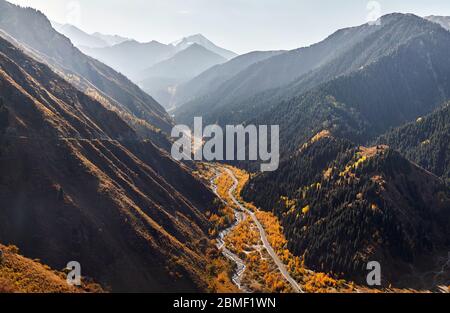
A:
x,y
255,243
357,184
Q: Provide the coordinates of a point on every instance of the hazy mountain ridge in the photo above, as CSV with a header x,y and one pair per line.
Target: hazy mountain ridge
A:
x,y
201,40
271,73
444,21
131,57
81,39
78,37
159,68
40,40
185,64
111,40
162,79
208,81
259,88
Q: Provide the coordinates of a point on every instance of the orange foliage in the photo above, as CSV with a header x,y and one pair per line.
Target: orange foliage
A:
x,y
321,282
223,219
219,270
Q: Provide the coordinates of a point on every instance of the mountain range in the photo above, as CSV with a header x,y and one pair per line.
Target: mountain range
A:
x,y
82,39
201,40
162,79
131,57
211,79
444,21
280,78
87,173
158,68
89,75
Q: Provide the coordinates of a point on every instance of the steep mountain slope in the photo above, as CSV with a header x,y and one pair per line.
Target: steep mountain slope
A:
x,y
342,207
444,21
89,75
22,275
208,81
425,141
78,37
264,85
131,57
409,82
78,184
201,40
185,64
182,67
300,169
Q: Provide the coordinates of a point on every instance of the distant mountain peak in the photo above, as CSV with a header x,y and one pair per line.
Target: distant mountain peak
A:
x,y
196,46
112,40
185,64
196,38
81,38
201,40
155,43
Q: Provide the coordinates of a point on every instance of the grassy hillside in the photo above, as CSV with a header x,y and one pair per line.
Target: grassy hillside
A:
x,y
19,274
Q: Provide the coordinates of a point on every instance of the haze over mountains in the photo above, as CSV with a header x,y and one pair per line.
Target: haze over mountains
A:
x,y
280,78
81,39
87,173
201,40
163,78
89,75
208,81
158,68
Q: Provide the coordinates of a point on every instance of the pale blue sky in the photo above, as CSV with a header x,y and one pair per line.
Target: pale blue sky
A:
x,y
239,25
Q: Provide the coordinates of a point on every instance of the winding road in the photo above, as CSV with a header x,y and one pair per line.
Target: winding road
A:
x,y
240,265
263,235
